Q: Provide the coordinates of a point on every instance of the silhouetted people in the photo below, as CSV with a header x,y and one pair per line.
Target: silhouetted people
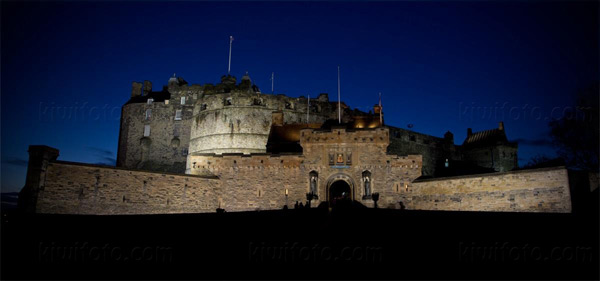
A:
x,y
296,205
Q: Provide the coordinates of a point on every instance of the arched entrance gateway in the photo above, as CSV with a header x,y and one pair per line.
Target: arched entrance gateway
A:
x,y
340,189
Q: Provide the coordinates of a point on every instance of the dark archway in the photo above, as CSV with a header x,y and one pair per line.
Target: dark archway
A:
x,y
339,192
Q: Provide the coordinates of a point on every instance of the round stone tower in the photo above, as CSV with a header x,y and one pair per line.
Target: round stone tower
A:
x,y
230,118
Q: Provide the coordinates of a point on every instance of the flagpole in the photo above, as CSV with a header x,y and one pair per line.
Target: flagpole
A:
x,y
380,111
308,110
272,82
229,65
339,100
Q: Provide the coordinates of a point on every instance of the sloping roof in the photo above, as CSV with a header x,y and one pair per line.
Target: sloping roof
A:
x,y
358,122
286,138
485,138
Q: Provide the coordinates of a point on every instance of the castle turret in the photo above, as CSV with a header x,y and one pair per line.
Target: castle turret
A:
x,y
147,87
172,80
136,89
39,158
246,83
449,137
228,80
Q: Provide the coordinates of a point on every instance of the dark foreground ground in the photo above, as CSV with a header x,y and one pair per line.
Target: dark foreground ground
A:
x,y
303,244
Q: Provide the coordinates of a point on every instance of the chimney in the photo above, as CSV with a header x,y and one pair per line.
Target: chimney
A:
x,y
136,89
469,132
147,87
501,126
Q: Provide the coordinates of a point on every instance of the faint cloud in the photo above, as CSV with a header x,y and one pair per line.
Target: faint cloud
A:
x,y
16,161
106,157
109,161
99,150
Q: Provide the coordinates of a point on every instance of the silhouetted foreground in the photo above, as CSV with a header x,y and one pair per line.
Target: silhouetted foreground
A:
x,y
315,243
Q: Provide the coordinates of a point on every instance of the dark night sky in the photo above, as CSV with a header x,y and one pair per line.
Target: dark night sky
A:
x,y
432,61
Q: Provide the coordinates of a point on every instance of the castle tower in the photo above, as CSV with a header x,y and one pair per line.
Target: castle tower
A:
x,y
231,118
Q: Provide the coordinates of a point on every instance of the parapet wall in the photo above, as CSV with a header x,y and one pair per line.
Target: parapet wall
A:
x,y
74,188
539,190
268,182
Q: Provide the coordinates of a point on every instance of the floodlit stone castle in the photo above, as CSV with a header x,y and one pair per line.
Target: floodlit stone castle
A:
x,y
199,148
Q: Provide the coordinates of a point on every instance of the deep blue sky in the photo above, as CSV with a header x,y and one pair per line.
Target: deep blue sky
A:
x,y
432,61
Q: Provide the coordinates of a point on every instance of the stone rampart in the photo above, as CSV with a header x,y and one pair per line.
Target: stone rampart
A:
x,y
537,190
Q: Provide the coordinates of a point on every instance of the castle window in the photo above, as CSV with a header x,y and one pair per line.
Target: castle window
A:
x,y
175,142
148,113
412,138
150,100
146,130
289,105
184,152
348,159
257,101
178,114
182,100
227,101
203,107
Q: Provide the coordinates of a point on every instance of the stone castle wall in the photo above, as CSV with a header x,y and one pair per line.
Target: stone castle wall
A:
x,y
268,176
538,190
240,122
433,149
501,158
268,182
74,188
167,146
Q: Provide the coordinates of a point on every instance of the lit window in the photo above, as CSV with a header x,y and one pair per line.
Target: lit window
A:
x,y
150,100
146,130
148,113
178,114
182,100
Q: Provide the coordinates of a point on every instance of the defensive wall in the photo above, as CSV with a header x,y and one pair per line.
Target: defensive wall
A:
x,y
536,190
239,182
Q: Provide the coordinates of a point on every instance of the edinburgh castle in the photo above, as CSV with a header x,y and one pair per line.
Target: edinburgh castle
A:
x,y
228,146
